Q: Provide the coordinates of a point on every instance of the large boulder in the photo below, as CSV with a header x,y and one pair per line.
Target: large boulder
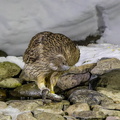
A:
x,y
72,80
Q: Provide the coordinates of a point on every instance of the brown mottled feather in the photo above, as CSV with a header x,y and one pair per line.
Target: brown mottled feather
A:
x,y
43,48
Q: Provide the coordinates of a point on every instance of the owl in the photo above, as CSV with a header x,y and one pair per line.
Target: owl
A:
x,y
47,53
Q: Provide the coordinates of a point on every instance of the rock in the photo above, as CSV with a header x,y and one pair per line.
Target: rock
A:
x,y
3,105
5,117
69,92
10,83
8,69
26,116
66,104
82,69
112,118
27,105
54,107
71,80
113,94
2,94
106,65
110,80
89,115
73,77
26,90
3,54
106,111
77,108
48,116
113,106
90,97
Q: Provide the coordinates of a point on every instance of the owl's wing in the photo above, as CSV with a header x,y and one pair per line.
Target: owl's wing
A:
x,y
31,55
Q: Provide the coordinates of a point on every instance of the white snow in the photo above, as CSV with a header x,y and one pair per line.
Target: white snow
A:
x,y
20,20
93,52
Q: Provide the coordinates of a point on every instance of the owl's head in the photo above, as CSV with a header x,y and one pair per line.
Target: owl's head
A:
x,y
72,54
58,63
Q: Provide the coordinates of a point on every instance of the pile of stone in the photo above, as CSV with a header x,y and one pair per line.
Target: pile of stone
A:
x,y
79,102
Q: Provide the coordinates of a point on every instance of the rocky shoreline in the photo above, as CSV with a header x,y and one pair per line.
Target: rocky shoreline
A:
x,y
21,100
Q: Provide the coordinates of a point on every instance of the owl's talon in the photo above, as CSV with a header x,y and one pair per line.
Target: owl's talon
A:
x,y
55,97
45,93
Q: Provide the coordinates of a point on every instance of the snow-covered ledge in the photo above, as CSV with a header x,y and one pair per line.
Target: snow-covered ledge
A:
x,y
22,19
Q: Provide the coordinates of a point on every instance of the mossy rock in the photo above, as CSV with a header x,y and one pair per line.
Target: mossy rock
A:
x,y
8,69
10,83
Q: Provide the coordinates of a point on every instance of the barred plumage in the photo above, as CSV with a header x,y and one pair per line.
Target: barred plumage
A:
x,y
46,53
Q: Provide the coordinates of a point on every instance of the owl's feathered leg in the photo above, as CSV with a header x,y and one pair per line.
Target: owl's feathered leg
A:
x,y
41,85
53,81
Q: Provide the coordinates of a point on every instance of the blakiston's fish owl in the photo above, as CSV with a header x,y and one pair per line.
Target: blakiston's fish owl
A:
x,y
48,52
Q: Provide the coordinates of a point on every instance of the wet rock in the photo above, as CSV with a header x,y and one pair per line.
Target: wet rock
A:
x,y
54,107
90,97
112,118
27,90
89,115
111,93
3,54
77,108
5,117
10,83
2,94
106,65
48,116
26,116
71,80
27,105
8,69
3,105
110,80
107,111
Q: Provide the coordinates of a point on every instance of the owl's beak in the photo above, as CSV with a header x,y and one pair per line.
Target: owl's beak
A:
x,y
65,67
